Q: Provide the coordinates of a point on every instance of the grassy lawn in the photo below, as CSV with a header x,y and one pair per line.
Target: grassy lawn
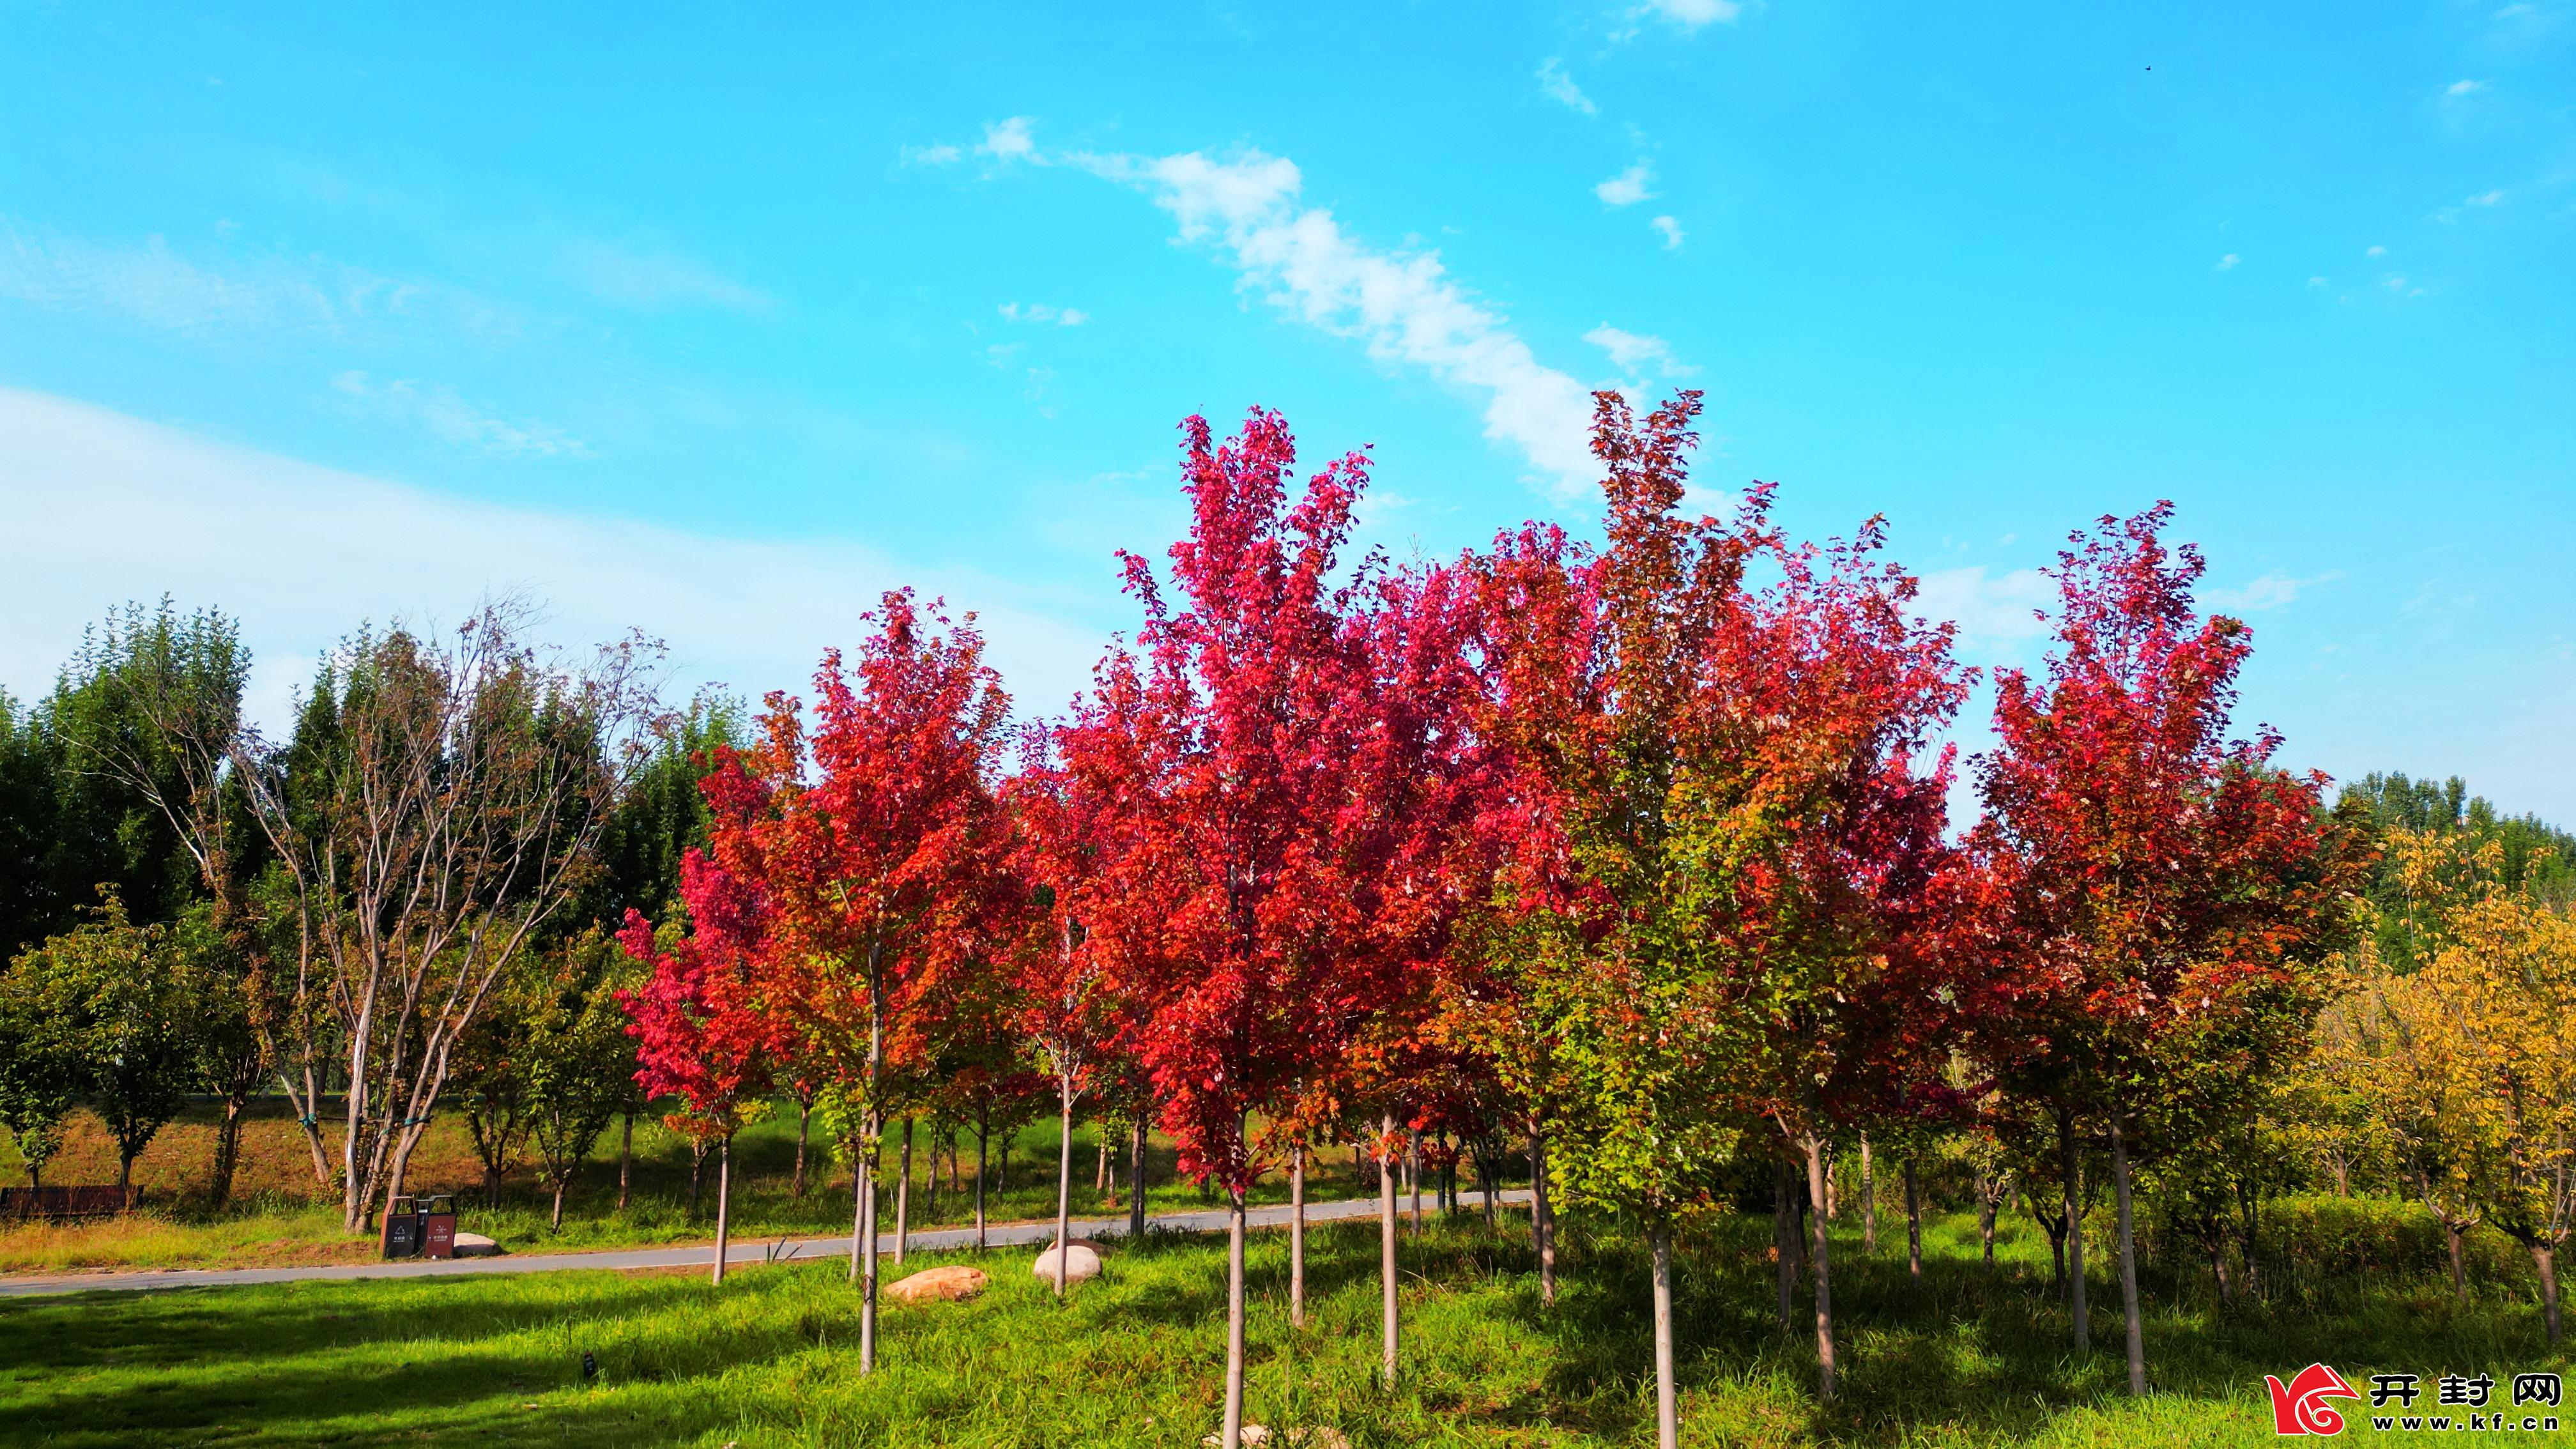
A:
x,y
1136,1359
278,1220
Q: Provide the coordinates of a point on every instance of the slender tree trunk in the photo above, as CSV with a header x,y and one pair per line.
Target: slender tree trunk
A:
x,y
1784,1245
1816,1188
2072,1168
1913,1227
1136,1181
1986,1219
2128,1261
1391,1339
2545,1258
1668,1423
858,1208
1100,1181
903,1199
1297,1236
1488,1182
2218,1271
804,1128
1234,1319
626,1162
1868,1202
982,1133
1542,1221
724,1203
227,1152
1413,1175
875,1129
1063,1180
697,1173
562,1180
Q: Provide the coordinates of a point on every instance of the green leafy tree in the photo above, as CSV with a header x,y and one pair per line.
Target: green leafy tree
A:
x,y
577,1062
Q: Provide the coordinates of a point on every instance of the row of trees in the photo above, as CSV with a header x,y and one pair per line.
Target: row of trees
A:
x,y
1632,854
1637,850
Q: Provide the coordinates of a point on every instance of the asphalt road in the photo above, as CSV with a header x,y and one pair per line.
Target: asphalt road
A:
x,y
700,1255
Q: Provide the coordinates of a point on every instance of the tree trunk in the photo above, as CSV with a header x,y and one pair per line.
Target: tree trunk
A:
x,y
1413,1175
1986,1219
124,1176
1868,1202
804,1127
982,1133
1913,1227
556,1222
874,1129
1542,1221
2545,1258
1063,1179
1234,1319
697,1173
2072,1169
1668,1424
626,1162
1136,1182
219,1191
724,1203
1386,1245
2458,1233
903,1199
1784,1246
2218,1271
1816,1188
1488,1182
2128,1261
1297,1236
1100,1171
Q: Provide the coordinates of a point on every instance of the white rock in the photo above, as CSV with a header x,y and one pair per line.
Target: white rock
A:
x,y
475,1245
1080,1264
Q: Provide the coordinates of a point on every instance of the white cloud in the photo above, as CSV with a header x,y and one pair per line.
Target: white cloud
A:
x,y
97,508
2316,281
1402,305
1691,14
1629,351
2228,262
941,155
452,419
2271,591
262,299
2376,252
657,279
1996,613
1557,86
1009,140
2487,198
1043,314
2460,88
1628,187
1671,231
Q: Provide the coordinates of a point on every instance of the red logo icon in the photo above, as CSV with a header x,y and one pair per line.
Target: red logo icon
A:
x,y
2299,1407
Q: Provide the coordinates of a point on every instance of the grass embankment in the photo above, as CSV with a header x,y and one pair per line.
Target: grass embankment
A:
x,y
278,1217
1136,1359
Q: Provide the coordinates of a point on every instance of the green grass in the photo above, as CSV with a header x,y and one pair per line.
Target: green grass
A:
x,y
1136,1359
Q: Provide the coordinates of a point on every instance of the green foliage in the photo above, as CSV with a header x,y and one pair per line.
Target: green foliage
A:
x,y
2533,856
104,1011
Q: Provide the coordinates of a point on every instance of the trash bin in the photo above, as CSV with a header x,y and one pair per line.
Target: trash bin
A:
x,y
403,1224
438,1227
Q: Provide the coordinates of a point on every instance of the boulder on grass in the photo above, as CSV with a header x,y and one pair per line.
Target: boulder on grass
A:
x,y
475,1245
939,1285
1081,1263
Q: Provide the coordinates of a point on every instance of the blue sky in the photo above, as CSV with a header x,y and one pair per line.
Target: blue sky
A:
x,y
716,324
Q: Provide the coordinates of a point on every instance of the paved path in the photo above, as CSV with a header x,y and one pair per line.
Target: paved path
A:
x,y
700,1255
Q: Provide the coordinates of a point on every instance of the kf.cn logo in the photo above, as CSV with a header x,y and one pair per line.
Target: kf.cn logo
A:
x,y
2299,1407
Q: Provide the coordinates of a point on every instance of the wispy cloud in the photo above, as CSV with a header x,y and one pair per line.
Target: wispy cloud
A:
x,y
655,279
1671,232
1995,613
452,419
234,299
1691,14
2461,88
1557,86
1010,140
2228,262
2270,591
1043,314
2375,252
1628,187
940,155
1401,304
1631,351
97,507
